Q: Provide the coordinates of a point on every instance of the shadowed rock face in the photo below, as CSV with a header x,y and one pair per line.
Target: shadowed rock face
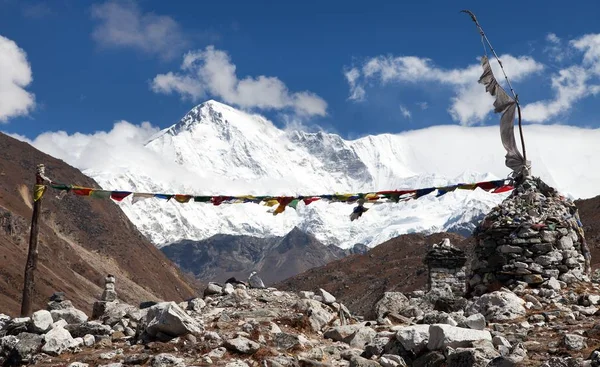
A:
x,y
80,240
274,259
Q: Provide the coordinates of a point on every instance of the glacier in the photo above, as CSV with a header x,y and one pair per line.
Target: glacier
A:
x,y
219,150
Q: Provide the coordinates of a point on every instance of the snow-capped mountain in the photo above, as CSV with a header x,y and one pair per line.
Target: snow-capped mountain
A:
x,y
216,149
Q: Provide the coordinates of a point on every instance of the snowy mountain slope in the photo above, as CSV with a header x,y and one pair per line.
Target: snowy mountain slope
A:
x,y
220,150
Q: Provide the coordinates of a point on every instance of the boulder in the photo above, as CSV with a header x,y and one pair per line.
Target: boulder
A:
x,y
242,345
358,361
213,288
41,321
475,321
442,336
574,342
57,341
169,319
414,338
28,345
499,306
391,360
196,304
287,341
255,282
328,298
89,327
391,302
70,315
318,317
166,360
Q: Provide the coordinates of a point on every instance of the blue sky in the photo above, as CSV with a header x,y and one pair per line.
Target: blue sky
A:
x,y
411,64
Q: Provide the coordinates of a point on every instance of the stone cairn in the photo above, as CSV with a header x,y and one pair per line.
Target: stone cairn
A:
x,y
446,265
109,294
532,236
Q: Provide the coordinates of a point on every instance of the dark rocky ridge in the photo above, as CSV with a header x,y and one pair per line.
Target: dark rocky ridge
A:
x,y
80,241
275,258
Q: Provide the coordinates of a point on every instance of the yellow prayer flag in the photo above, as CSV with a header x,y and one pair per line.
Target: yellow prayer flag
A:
x,y
38,192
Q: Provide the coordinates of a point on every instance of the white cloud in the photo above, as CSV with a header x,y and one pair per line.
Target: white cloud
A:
x,y
405,112
552,38
211,72
423,105
573,169
470,105
15,76
123,24
590,45
556,48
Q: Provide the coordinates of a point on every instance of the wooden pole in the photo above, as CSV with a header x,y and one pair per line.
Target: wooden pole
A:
x,y
28,285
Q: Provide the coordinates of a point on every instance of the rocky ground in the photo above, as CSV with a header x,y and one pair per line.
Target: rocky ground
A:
x,y
236,325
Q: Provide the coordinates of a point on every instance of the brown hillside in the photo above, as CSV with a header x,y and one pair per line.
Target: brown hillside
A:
x,y
81,240
358,281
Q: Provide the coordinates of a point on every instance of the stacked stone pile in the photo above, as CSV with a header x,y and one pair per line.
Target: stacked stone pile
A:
x,y
533,236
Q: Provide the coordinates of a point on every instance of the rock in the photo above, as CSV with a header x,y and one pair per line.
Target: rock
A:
x,y
441,336
391,302
167,360
533,279
89,327
376,347
499,340
27,346
59,305
17,325
136,359
236,363
169,319
414,338
318,317
196,304
242,345
552,283
574,342
212,288
358,361
475,321
499,306
41,321
70,315
391,360
111,313
217,353
88,340
431,359
501,362
57,341
228,288
255,282
328,298
287,341
309,295
560,362
78,364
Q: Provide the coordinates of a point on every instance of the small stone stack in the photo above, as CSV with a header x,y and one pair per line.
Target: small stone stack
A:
x,y
109,294
446,265
534,235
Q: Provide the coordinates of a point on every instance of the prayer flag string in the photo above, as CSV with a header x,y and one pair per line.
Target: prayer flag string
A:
x,y
281,202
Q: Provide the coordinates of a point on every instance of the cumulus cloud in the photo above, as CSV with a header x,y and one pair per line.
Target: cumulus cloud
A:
x,y
470,104
15,76
123,24
211,72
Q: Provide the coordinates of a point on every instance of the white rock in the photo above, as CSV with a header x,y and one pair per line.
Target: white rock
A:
x,y
170,319
217,353
552,283
306,294
242,345
328,298
41,321
392,360
78,364
228,289
88,340
60,324
318,317
274,328
57,341
501,341
196,304
499,306
594,299
167,360
476,322
574,342
414,337
441,336
70,315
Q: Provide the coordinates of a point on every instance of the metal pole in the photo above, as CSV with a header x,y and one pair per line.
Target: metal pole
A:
x,y
30,267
